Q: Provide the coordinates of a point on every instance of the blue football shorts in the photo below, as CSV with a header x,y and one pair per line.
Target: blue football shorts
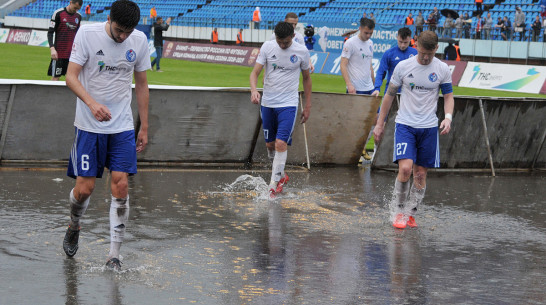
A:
x,y
278,123
91,152
418,144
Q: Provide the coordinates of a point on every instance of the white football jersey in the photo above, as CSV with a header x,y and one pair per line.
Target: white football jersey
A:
x,y
107,75
360,55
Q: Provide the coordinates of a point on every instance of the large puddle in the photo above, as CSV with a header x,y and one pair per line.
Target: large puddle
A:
x,y
213,237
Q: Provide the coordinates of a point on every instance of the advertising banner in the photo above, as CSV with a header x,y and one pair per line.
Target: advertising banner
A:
x,y
518,78
457,69
19,36
328,36
244,56
4,35
38,38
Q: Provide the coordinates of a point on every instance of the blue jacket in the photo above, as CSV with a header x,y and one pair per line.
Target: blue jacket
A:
x,y
389,61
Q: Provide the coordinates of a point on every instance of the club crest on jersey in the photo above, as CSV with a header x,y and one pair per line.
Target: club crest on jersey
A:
x,y
130,55
433,77
294,58
76,20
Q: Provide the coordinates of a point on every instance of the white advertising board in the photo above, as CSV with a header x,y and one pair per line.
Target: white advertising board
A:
x,y
516,78
38,38
4,33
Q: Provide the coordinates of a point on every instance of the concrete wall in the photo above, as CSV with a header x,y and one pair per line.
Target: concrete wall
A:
x,y
187,124
515,128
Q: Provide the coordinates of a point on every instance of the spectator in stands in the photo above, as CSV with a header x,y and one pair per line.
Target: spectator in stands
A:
x,y
437,17
431,22
519,23
419,22
372,17
239,40
257,18
409,20
356,60
450,53
479,26
64,23
448,26
214,36
479,8
542,4
88,11
153,13
413,42
537,25
544,31
487,26
459,27
467,24
506,29
364,15
159,27
500,24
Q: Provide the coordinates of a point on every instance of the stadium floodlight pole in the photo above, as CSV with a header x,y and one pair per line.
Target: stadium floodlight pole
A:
x,y
305,137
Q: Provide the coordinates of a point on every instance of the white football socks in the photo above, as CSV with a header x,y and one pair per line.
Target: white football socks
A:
x,y
119,214
278,167
415,198
77,209
401,191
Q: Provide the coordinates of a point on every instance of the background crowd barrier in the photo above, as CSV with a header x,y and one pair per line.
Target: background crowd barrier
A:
x,y
515,129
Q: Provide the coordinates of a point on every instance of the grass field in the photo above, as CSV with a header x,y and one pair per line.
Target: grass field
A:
x,y
27,62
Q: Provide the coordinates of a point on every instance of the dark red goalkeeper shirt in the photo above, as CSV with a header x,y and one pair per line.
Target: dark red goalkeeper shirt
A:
x,y
65,26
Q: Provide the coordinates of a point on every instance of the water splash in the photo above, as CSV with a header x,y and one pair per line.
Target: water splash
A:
x,y
248,183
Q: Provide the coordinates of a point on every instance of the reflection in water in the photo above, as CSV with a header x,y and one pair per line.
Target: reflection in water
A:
x,y
71,281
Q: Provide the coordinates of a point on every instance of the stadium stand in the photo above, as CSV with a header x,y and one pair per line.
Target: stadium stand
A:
x,y
238,13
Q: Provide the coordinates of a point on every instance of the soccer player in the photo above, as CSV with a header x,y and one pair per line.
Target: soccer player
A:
x,y
283,60
416,143
104,59
293,18
392,57
356,60
64,23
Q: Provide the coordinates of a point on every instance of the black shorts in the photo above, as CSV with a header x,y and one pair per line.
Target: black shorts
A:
x,y
58,67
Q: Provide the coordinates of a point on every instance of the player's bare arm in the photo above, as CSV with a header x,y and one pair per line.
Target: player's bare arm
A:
x,y
385,107
100,112
345,73
372,73
254,94
143,97
307,88
449,102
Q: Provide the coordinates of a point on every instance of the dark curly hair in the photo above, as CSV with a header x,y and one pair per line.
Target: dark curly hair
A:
x,y
283,30
125,13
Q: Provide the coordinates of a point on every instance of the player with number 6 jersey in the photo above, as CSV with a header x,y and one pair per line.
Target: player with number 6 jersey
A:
x,y
104,59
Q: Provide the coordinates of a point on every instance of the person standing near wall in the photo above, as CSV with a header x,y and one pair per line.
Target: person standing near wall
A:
x,y
537,25
479,8
64,23
419,22
409,20
105,58
256,18
448,26
416,143
239,40
153,13
283,61
488,25
519,23
214,36
159,27
356,60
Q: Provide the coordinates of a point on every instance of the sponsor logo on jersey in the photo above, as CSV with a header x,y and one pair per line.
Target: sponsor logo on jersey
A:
x,y
101,65
294,59
110,69
100,53
275,67
419,88
130,55
433,77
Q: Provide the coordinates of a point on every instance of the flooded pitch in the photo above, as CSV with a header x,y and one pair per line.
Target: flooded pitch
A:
x,y
205,237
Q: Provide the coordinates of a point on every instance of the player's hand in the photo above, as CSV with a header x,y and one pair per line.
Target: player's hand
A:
x,y
378,133
445,126
100,112
375,93
351,89
142,141
54,54
305,114
311,68
255,97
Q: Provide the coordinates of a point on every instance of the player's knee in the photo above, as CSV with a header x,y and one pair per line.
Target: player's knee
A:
x,y
420,177
280,145
404,171
120,186
83,191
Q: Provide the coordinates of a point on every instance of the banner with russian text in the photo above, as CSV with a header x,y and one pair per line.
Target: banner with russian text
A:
x,y
221,54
